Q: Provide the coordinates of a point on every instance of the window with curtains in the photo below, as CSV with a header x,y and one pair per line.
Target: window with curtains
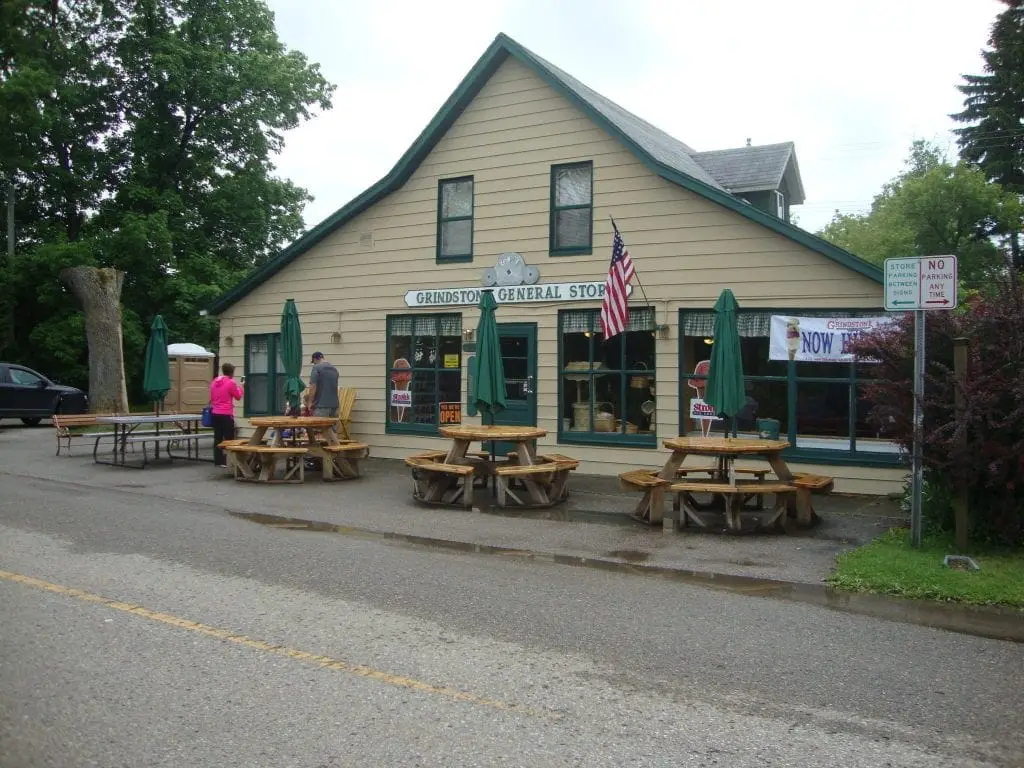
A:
x,y
606,387
820,407
572,214
264,375
455,219
424,369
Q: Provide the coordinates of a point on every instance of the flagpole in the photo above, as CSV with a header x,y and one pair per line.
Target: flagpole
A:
x,y
636,274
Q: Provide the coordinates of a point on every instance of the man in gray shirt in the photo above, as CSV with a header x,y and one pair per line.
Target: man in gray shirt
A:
x,y
322,394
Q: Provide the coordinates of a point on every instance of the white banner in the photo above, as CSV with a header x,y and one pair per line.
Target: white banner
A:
x,y
819,339
510,294
401,398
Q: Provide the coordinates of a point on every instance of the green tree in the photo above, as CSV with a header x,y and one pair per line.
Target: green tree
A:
x,y
933,207
140,135
994,112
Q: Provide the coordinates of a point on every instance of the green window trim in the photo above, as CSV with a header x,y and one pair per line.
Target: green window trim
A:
x,y
455,258
797,452
444,324
572,321
274,378
581,249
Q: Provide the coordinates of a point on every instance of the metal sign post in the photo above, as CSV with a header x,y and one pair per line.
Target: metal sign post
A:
x,y
918,458
919,284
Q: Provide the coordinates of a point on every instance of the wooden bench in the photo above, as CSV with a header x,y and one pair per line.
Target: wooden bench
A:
x,y
649,508
64,423
344,459
258,463
734,495
564,462
545,482
432,479
806,484
712,470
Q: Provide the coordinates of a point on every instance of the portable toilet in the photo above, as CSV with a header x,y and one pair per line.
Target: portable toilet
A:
x,y
191,373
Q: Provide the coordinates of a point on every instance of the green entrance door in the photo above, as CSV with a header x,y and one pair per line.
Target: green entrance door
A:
x,y
519,357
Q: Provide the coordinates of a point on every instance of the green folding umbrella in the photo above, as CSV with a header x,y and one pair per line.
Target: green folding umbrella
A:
x,y
725,377
291,354
489,387
156,377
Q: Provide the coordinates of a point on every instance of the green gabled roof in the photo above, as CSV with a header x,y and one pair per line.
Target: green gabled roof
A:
x,y
664,155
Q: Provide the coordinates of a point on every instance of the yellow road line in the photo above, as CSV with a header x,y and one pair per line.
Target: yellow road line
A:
x,y
278,650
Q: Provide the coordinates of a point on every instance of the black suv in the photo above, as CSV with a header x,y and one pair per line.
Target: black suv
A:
x,y
28,395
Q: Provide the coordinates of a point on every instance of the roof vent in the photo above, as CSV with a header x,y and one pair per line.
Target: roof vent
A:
x,y
748,142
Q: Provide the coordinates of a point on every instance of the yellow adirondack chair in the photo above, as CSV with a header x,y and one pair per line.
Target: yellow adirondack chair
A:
x,y
346,399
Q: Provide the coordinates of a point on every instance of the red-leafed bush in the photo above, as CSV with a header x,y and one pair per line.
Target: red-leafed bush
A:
x,y
990,462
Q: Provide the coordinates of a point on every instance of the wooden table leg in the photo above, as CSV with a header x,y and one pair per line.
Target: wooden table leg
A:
x,y
657,497
785,475
256,438
526,456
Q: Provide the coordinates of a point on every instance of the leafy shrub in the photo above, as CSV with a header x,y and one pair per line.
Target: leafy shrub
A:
x,y
984,448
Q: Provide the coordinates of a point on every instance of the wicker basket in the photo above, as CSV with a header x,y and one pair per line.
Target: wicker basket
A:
x,y
604,421
640,382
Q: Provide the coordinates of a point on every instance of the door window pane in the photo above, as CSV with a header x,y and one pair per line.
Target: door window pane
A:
x,y
424,369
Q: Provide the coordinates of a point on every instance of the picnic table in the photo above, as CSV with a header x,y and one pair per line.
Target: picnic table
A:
x,y
732,495
185,428
521,478
257,459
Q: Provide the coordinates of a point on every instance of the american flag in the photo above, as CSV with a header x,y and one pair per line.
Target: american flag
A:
x,y
615,307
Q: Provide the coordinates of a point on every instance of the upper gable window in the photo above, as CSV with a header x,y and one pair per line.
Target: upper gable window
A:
x,y
455,219
572,208
779,201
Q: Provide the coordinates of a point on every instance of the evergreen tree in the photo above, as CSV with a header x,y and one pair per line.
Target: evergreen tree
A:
x,y
994,110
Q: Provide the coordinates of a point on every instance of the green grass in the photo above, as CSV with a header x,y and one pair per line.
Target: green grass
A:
x,y
890,565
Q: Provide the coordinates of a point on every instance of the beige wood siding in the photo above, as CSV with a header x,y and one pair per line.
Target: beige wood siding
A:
x,y
686,250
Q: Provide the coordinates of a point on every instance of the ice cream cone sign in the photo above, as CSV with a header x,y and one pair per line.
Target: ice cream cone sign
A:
x,y
699,384
792,337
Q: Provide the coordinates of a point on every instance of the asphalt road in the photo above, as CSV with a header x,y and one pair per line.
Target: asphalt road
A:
x,y
138,631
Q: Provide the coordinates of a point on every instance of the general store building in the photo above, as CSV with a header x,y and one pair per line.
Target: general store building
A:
x,y
513,185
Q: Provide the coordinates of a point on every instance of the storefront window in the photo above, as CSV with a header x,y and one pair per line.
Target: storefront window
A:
x,y
264,375
607,389
425,369
819,405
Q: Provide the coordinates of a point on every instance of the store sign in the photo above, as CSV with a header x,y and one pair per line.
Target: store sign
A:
x,y
513,294
701,410
819,339
401,398
450,413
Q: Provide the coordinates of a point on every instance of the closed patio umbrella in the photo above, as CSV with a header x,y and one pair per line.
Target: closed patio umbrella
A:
x,y
156,376
489,386
291,355
725,378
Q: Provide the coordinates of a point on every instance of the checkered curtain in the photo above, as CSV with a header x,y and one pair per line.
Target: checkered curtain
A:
x,y
427,325
580,320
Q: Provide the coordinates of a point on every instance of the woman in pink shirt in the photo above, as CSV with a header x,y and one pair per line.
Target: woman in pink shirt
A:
x,y
224,390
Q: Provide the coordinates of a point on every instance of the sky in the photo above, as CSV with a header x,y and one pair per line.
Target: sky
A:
x,y
851,89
